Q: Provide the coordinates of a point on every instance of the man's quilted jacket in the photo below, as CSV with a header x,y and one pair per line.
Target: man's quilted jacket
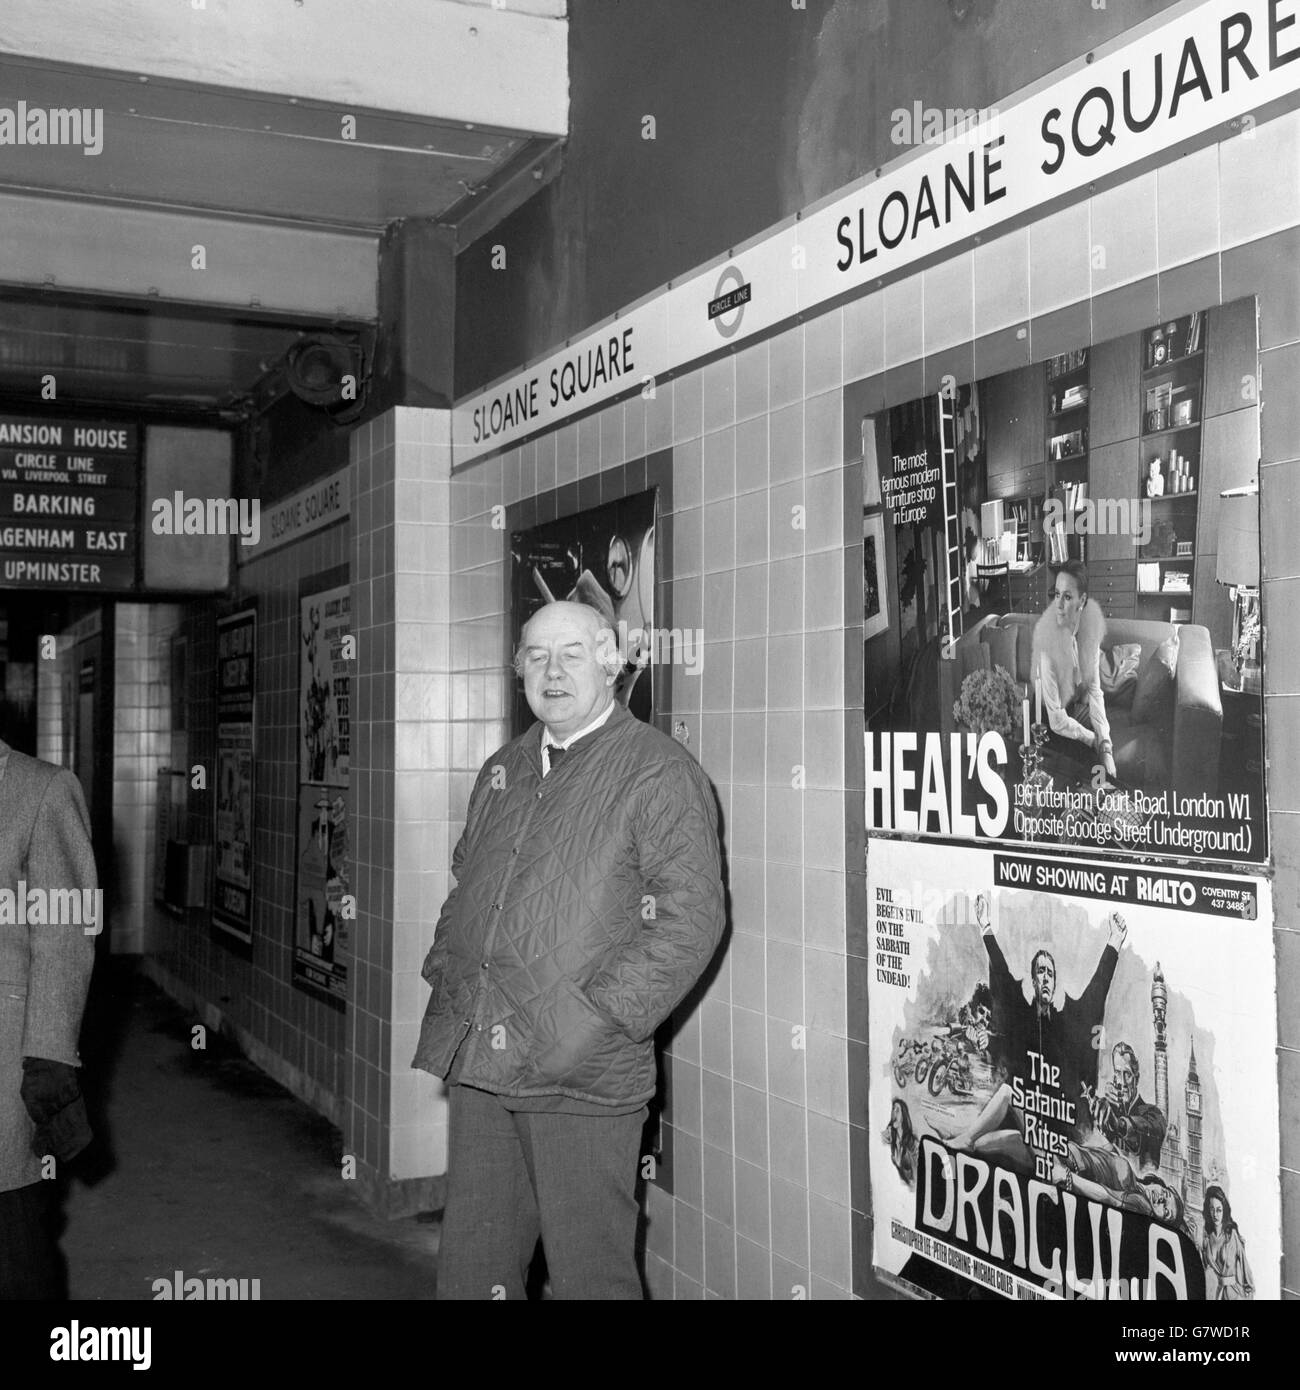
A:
x,y
586,905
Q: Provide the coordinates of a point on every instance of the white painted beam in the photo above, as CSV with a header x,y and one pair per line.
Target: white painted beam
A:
x,y
145,253
552,9
435,58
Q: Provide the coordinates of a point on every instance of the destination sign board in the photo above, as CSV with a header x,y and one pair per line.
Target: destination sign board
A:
x,y
69,504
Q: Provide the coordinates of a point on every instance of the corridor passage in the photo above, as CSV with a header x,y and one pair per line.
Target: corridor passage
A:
x,y
202,1164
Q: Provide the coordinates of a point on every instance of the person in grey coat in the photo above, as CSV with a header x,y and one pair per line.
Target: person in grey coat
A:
x,y
47,871
588,901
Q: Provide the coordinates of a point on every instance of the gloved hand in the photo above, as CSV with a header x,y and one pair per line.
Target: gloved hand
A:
x,y
52,1095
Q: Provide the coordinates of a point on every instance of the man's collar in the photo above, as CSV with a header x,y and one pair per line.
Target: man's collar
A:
x,y
549,742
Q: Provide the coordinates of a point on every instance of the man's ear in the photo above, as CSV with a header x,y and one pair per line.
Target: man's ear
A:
x,y
607,640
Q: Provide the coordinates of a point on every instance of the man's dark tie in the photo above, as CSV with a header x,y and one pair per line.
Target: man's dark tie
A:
x,y
555,753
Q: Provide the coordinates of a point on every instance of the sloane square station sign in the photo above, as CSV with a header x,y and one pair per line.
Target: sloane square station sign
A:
x,y
1191,69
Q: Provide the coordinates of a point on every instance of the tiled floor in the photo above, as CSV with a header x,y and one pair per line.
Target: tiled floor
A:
x,y
206,1166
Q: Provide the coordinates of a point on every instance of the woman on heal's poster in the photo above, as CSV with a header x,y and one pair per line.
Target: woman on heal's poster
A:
x,y
1227,1275
1066,666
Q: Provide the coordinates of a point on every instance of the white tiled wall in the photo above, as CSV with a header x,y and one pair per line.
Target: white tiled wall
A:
x,y
759,1124
761,1129
141,746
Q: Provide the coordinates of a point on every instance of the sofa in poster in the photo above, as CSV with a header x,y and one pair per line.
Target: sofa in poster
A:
x,y
1074,645
1072,1087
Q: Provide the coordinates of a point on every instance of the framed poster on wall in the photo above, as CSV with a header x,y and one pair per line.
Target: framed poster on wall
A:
x,y
1072,654
324,710
875,577
322,881
1073,1088
232,897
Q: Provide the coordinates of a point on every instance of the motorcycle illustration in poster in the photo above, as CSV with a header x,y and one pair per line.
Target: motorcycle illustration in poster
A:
x,y
1071,646
1073,1088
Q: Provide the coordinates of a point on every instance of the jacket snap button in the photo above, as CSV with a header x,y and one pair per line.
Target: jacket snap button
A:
x,y
484,966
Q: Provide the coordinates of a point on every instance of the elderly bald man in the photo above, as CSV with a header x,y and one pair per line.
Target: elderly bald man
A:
x,y
588,901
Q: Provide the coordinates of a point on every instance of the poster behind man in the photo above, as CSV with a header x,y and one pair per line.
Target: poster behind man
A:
x,y
322,892
1064,559
603,557
1073,1081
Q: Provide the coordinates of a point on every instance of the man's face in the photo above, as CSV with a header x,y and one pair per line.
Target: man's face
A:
x,y
565,684
1126,1082
1162,1202
1044,979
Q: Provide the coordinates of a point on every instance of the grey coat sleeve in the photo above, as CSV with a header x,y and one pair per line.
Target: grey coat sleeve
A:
x,y
435,959
61,957
683,908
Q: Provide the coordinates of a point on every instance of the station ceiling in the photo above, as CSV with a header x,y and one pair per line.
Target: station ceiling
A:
x,y
288,195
